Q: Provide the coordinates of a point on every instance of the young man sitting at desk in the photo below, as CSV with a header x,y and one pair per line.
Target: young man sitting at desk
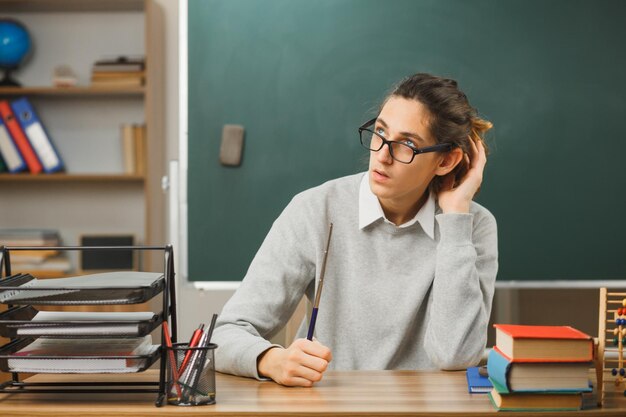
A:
x,y
411,269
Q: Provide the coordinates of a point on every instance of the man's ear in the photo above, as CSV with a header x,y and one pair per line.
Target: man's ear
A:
x,y
449,161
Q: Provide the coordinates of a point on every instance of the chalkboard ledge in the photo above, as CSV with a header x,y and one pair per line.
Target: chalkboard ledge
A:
x,y
561,284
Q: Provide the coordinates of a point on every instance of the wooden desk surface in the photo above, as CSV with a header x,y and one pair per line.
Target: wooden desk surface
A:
x,y
365,393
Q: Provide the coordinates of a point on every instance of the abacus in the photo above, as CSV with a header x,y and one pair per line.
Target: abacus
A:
x,y
611,339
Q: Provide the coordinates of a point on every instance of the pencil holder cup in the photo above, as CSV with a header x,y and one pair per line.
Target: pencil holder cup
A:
x,y
191,374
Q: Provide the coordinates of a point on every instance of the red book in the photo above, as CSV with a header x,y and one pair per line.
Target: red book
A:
x,y
520,343
19,138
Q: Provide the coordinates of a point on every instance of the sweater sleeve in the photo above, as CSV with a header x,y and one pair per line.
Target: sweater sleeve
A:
x,y
268,295
463,288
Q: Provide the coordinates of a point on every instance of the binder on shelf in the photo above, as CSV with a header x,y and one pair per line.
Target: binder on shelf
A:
x,y
11,156
19,138
3,166
37,135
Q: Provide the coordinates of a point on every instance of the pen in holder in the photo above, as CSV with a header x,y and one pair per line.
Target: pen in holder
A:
x,y
196,381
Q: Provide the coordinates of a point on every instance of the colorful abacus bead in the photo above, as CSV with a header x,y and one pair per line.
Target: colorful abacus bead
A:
x,y
614,372
622,371
624,302
615,341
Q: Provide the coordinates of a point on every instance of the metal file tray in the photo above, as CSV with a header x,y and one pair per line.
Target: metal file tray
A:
x,y
18,322
77,364
80,351
125,287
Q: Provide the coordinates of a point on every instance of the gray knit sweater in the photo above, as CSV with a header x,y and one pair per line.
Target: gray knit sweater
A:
x,y
393,298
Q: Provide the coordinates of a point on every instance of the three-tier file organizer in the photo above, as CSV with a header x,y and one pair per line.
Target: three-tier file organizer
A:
x,y
71,342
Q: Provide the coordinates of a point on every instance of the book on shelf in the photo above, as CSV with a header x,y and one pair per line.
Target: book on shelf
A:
x,y
19,138
38,137
139,131
134,148
128,148
531,401
477,383
11,157
29,237
117,82
520,376
33,256
119,64
3,166
64,355
46,267
543,343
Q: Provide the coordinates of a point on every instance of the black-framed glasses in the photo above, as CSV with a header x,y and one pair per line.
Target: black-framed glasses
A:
x,y
400,151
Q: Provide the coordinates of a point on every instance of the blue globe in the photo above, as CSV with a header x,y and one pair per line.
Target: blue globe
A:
x,y
14,43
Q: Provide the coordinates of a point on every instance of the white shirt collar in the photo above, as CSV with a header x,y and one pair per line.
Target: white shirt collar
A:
x,y
370,210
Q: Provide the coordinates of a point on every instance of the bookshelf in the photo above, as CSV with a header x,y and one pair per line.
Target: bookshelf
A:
x,y
93,195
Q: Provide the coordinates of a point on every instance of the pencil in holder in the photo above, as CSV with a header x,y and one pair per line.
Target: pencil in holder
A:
x,y
191,374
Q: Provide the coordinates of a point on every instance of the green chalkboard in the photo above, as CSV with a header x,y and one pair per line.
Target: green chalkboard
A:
x,y
301,75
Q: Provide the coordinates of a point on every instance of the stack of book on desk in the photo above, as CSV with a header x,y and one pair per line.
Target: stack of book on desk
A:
x,y
539,367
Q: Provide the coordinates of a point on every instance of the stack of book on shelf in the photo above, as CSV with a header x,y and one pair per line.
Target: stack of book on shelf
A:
x,y
118,72
40,262
539,368
134,148
24,143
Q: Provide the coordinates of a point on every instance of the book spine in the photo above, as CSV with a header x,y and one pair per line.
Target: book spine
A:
x,y
12,158
139,135
128,149
498,368
36,134
19,138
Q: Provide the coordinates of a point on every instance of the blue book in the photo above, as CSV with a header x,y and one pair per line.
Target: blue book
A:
x,y
554,377
37,136
11,156
477,383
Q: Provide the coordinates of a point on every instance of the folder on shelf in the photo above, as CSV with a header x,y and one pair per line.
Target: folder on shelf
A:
x,y
36,134
11,156
19,138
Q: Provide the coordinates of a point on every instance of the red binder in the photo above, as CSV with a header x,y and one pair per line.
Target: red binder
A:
x,y
20,139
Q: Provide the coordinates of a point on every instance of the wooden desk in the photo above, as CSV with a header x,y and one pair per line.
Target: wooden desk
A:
x,y
364,393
